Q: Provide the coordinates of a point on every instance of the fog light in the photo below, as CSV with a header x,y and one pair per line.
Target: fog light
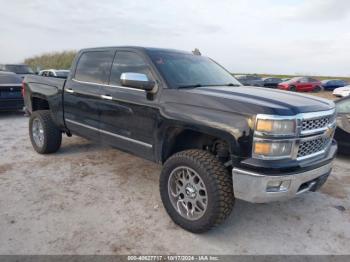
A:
x,y
277,186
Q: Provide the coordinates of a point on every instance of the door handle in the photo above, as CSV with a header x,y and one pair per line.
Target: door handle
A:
x,y
69,90
107,97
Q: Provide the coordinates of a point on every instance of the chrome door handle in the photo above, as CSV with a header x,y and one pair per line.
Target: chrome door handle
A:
x,y
69,90
108,97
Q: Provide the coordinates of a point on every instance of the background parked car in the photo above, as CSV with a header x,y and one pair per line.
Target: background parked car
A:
x,y
342,91
301,84
19,69
342,133
10,91
272,82
55,73
250,80
331,84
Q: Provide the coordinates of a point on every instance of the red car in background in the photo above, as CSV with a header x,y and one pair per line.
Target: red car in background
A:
x,y
301,84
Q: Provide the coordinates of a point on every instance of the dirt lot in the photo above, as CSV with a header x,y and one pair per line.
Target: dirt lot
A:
x,y
89,199
326,94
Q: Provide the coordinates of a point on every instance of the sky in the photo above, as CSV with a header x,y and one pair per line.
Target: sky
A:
x,y
246,36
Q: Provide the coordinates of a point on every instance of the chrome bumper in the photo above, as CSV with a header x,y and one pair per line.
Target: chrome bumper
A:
x,y
252,187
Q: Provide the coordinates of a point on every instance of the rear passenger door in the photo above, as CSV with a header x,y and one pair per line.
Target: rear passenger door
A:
x,y
127,116
82,92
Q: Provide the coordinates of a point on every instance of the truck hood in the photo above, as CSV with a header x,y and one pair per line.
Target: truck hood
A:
x,y
247,100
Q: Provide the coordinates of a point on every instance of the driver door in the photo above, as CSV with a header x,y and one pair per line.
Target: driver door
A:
x,y
128,118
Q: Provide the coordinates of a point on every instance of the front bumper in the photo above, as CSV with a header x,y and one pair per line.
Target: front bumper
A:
x,y
252,186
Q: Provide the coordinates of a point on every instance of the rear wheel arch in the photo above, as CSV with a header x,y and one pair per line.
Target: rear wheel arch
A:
x,y
39,103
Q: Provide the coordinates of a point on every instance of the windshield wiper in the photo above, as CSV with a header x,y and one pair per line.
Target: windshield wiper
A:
x,y
190,86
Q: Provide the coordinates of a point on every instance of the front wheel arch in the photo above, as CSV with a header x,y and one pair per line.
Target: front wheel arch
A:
x,y
176,139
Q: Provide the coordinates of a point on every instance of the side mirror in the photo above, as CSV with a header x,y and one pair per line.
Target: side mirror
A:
x,y
137,80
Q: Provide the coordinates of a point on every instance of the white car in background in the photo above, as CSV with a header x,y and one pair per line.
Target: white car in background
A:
x,y
342,91
54,73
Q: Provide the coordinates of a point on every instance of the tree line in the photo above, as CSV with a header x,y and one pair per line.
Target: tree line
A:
x,y
53,60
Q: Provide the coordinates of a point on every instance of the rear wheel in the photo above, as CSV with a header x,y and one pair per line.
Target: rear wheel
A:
x,y
45,136
317,89
196,190
293,89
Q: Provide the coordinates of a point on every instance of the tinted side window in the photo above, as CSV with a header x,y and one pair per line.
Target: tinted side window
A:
x,y
126,61
94,67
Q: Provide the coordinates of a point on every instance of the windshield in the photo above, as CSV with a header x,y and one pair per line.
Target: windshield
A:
x,y
19,69
187,70
294,79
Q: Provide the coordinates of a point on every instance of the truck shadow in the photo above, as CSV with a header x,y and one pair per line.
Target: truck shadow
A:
x,y
77,146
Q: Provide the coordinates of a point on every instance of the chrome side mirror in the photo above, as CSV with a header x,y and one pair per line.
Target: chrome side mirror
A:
x,y
137,80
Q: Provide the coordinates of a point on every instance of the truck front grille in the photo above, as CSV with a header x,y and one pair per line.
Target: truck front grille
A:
x,y
313,146
312,124
316,124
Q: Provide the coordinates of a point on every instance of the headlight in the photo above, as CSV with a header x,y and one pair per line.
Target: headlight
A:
x,y
268,149
276,127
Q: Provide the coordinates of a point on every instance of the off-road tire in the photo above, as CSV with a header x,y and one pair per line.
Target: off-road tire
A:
x,y
52,134
217,180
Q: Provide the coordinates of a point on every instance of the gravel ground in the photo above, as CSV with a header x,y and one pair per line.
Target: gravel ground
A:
x,y
90,199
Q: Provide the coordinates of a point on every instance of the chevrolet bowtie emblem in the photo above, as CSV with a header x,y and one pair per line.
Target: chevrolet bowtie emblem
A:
x,y
329,132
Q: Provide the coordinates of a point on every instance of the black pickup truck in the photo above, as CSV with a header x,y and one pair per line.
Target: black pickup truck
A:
x,y
217,140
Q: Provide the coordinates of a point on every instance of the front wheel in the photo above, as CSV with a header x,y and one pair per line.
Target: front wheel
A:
x,y
196,190
45,136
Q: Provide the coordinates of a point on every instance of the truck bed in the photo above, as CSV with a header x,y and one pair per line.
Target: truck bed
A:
x,y
36,81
